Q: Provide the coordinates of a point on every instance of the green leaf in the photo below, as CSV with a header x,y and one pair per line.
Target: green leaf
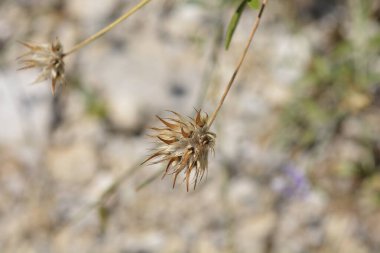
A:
x,y
233,23
254,4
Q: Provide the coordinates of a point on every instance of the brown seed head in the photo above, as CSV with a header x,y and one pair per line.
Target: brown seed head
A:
x,y
48,58
184,145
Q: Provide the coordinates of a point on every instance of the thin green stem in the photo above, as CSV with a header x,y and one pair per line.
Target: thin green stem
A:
x,y
229,85
149,180
104,196
107,28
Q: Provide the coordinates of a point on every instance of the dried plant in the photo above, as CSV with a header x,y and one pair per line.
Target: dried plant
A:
x,y
185,143
48,58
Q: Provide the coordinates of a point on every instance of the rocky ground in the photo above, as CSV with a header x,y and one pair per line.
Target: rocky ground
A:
x,y
58,155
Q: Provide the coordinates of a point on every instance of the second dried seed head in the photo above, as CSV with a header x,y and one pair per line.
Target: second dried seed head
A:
x,y
48,58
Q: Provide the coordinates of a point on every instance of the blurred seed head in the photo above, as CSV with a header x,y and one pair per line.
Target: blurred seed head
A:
x,y
48,58
184,144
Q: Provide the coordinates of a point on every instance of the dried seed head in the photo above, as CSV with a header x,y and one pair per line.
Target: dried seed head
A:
x,y
48,58
184,145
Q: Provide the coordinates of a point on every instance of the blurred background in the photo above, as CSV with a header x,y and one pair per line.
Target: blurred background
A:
x,y
297,164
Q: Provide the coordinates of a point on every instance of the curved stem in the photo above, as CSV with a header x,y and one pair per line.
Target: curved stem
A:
x,y
107,28
233,77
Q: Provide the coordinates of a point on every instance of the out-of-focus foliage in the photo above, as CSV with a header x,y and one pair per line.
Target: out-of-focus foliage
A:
x,y
254,4
336,106
234,21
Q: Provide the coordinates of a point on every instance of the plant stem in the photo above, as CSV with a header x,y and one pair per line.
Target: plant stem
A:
x,y
107,28
233,77
104,196
217,43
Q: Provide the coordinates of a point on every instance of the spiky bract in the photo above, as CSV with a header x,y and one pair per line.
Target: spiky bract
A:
x,y
184,144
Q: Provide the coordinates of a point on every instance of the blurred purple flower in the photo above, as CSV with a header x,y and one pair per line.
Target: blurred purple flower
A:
x,y
292,182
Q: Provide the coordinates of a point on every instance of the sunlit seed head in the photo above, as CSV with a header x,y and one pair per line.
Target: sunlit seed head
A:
x,y
184,145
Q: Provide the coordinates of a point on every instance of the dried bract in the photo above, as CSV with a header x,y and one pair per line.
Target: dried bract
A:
x,y
48,58
184,144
